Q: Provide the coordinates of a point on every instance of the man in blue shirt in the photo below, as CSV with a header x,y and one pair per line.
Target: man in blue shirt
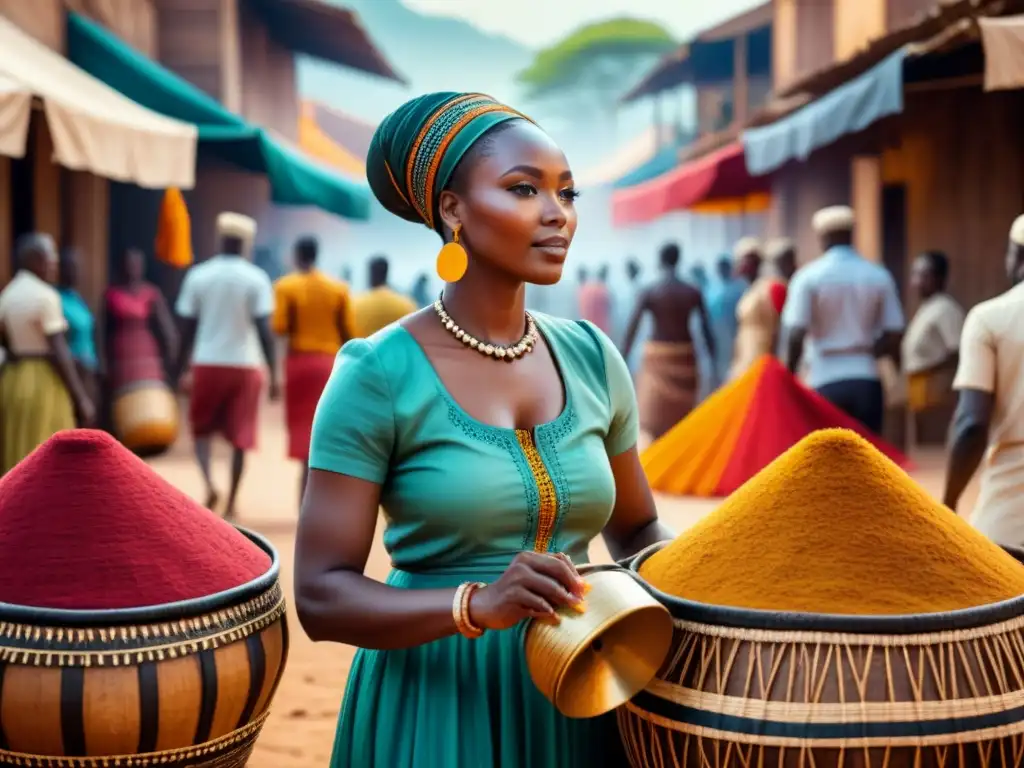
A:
x,y
845,312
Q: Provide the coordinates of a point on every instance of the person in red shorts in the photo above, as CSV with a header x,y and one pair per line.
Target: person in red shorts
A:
x,y
225,305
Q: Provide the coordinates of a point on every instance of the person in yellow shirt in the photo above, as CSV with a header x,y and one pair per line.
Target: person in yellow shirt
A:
x,y
381,305
314,313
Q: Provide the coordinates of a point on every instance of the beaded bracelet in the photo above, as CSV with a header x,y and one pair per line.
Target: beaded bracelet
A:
x,y
460,610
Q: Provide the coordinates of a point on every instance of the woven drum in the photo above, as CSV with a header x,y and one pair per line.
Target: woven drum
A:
x,y
146,416
759,688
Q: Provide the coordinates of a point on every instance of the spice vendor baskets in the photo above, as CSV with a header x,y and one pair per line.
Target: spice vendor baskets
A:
x,y
832,614
136,628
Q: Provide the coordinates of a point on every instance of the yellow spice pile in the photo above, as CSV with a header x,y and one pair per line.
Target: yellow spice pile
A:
x,y
833,526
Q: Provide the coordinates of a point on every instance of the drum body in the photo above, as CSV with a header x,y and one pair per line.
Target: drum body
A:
x,y
186,684
146,416
755,688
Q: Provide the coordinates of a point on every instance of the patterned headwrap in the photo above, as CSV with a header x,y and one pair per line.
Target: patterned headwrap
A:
x,y
415,149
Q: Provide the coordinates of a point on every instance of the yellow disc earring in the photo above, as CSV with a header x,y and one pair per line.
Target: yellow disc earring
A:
x,y
453,260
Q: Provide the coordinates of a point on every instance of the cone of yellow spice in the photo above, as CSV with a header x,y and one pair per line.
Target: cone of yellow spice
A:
x,y
832,526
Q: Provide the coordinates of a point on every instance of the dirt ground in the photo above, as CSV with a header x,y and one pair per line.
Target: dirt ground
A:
x,y
300,730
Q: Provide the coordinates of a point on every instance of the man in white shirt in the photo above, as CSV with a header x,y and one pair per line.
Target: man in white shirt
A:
x,y
846,311
988,428
225,305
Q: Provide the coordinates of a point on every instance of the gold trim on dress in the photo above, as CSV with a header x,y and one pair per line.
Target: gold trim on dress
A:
x,y
547,509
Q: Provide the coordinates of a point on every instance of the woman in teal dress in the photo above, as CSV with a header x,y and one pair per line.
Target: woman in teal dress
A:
x,y
498,444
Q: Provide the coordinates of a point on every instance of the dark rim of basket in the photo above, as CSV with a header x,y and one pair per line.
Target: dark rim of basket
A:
x,y
752,618
151,614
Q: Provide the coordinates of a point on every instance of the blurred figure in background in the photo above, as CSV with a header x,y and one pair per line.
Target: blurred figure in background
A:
x,y
723,297
130,352
931,346
625,299
699,277
40,390
780,254
421,290
758,312
381,305
81,333
668,382
314,313
596,300
849,312
988,429
225,306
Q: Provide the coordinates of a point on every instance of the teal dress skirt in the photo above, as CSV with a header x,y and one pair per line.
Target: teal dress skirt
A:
x,y
461,498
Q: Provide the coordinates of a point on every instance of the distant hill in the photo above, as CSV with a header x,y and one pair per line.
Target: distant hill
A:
x,y
434,53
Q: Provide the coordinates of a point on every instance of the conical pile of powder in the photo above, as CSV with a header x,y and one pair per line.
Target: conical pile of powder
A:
x,y
85,524
833,526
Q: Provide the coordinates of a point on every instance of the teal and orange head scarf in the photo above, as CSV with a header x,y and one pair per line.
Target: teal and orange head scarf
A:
x,y
415,149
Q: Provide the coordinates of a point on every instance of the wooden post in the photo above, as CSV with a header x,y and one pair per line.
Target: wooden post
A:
x,y
88,232
866,195
740,81
6,225
46,196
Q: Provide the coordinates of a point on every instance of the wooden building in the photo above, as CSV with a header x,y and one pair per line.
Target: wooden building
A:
x,y
243,54
729,69
37,193
945,171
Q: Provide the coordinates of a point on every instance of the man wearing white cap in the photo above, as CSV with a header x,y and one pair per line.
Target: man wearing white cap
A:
x,y
990,411
757,314
844,312
225,304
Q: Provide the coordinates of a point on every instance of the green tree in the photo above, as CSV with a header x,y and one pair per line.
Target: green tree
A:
x,y
586,72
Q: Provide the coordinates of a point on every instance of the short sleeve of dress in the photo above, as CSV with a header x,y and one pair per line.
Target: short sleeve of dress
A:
x,y
977,368
354,427
624,426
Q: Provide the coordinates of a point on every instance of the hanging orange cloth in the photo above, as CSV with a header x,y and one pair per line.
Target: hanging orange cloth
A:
x,y
174,231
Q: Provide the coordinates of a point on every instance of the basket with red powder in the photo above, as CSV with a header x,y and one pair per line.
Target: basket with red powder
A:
x,y
117,587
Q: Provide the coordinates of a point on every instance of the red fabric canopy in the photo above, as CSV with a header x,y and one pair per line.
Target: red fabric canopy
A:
x,y
721,174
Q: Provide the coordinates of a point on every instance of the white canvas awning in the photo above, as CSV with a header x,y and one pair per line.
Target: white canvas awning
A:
x,y
94,128
1003,41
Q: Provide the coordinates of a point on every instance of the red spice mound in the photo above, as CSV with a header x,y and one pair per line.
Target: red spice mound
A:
x,y
85,524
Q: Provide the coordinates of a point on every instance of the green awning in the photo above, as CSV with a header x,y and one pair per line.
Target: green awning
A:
x,y
294,178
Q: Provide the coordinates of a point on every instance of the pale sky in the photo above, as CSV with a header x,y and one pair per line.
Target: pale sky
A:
x,y
537,23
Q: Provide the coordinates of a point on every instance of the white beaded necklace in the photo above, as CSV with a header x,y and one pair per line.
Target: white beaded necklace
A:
x,y
507,352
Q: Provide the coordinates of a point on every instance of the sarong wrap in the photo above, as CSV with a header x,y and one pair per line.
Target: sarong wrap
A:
x,y
666,388
305,376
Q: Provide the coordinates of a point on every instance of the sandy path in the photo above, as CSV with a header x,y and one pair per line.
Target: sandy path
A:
x,y
300,731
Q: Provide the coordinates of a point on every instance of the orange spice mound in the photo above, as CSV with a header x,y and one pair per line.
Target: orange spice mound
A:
x,y
832,526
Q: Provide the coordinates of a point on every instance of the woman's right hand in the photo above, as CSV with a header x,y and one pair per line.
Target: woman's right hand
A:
x,y
534,586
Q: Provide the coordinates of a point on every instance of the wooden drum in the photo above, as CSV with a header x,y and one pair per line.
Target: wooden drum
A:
x,y
801,690
146,416
183,684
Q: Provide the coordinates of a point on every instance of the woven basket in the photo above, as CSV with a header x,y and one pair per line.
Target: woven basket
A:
x,y
758,688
